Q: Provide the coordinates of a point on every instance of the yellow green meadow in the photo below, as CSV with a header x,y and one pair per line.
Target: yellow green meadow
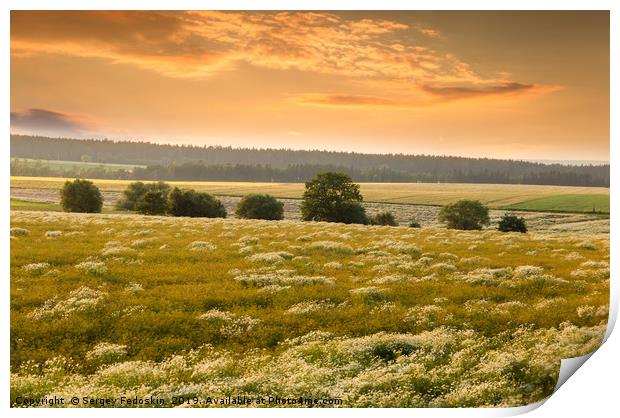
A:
x,y
105,306
511,196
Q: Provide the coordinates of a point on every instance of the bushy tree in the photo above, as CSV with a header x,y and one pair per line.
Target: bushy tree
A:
x,y
414,224
260,206
385,218
80,196
194,204
131,195
331,197
154,202
136,191
353,213
464,214
512,223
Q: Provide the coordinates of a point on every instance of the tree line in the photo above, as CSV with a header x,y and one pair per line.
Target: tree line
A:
x,y
186,162
328,197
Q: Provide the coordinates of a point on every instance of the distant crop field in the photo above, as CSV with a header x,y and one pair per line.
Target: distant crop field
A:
x,y
79,164
17,204
137,306
570,199
567,203
26,205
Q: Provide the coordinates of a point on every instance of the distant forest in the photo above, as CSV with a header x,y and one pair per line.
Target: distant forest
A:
x,y
216,163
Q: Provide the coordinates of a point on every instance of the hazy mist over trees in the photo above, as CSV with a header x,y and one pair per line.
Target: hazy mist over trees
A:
x,y
216,163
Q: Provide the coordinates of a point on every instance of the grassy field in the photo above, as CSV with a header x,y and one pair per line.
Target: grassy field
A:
x,y
570,199
199,309
566,203
25,205
79,164
46,206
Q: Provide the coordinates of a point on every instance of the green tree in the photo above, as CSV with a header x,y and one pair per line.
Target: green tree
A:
x,y
131,195
464,214
194,204
384,218
353,213
260,206
512,223
136,191
331,197
154,202
414,224
80,196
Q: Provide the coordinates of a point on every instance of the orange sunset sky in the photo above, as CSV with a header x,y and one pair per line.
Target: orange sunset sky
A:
x,y
493,84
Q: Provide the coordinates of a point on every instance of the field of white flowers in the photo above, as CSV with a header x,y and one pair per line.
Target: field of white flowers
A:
x,y
126,305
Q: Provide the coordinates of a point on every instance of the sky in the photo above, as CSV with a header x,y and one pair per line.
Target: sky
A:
x,y
522,85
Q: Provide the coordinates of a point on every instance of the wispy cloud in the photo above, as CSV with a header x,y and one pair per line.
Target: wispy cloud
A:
x,y
427,96
51,122
351,100
430,32
465,92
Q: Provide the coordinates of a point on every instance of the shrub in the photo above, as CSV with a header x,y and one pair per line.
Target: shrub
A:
x,y
154,202
353,213
106,353
332,197
19,232
80,196
194,204
96,268
464,214
136,191
131,195
384,218
512,223
260,206
414,224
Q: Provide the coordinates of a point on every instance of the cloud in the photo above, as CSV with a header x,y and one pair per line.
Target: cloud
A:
x,y
425,96
465,92
157,41
430,32
43,121
201,43
195,44
350,100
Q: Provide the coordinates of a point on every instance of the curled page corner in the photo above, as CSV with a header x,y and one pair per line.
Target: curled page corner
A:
x,y
568,366
520,410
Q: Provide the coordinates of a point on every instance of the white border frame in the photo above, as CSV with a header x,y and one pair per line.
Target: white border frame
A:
x,y
591,390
